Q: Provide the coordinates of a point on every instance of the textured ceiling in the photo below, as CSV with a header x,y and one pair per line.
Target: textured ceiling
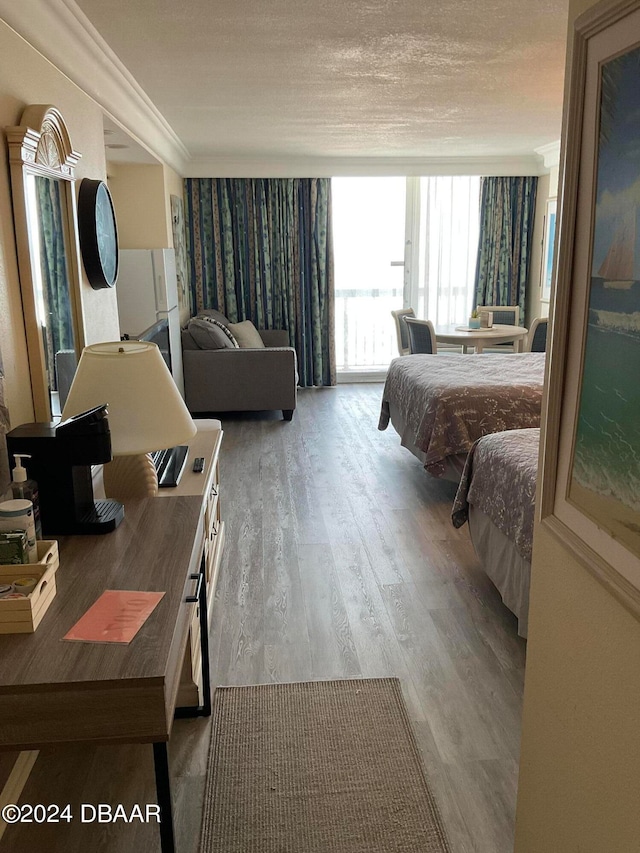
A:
x,y
333,78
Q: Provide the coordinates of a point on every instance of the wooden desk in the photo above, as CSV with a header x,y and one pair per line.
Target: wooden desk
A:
x,y
479,338
206,443
53,691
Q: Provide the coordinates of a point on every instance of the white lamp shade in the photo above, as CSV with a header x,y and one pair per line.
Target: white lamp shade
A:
x,y
145,409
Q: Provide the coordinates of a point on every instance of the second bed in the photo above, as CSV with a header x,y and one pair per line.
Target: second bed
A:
x,y
496,496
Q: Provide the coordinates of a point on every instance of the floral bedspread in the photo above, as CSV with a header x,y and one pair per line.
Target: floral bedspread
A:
x,y
499,478
449,401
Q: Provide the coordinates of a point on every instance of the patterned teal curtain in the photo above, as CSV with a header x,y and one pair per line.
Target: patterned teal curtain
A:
x,y
260,249
504,250
56,290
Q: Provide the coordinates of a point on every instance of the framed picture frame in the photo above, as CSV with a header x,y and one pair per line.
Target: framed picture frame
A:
x,y
547,249
590,491
182,264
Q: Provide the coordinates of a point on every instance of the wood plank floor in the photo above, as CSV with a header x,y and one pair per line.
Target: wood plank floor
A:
x,y
340,562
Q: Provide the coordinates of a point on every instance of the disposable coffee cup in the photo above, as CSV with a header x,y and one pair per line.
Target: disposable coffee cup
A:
x,y
18,515
25,585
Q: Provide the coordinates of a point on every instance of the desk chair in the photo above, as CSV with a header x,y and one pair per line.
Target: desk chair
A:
x,y
537,337
422,336
401,329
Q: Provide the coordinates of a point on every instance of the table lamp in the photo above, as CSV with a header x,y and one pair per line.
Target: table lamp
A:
x,y
145,411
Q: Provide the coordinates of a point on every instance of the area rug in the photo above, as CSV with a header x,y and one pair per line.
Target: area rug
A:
x,y
317,767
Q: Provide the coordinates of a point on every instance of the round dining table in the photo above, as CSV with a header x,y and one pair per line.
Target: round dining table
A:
x,y
479,338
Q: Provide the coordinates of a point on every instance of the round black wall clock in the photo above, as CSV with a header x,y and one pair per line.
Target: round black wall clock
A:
x,y
98,233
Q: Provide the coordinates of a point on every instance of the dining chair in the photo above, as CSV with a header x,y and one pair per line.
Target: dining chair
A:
x,y
503,315
401,329
422,336
537,337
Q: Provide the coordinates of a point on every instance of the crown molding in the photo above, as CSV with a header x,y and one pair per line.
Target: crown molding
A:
x,y
327,167
62,33
550,154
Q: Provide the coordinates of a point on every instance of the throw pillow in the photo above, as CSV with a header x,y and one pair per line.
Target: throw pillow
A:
x,y
246,334
211,334
215,315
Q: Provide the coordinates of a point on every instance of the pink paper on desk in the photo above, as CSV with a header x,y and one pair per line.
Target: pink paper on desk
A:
x,y
116,617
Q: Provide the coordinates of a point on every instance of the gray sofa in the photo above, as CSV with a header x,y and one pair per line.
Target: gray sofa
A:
x,y
241,380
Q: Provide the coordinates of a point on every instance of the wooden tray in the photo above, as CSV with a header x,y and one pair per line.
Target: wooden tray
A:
x,y
23,615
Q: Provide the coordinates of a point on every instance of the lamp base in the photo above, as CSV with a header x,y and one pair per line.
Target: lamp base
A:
x,y
128,478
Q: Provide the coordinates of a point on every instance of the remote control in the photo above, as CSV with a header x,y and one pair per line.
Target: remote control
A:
x,y
198,464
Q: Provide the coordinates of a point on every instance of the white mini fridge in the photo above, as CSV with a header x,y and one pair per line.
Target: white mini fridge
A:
x,y
147,294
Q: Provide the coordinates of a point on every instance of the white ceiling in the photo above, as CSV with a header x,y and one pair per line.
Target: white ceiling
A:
x,y
333,78
313,79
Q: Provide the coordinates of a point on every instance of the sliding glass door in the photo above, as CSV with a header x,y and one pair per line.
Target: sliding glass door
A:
x,y
400,242
369,245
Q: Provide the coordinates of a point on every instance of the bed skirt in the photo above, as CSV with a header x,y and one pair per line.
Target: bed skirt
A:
x,y
453,465
507,569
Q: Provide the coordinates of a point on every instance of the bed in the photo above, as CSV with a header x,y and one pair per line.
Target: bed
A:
x,y
440,404
496,496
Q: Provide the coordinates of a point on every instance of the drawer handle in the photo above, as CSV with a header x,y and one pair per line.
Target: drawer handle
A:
x,y
193,599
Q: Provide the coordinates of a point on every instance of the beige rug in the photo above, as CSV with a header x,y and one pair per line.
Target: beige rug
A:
x,y
317,767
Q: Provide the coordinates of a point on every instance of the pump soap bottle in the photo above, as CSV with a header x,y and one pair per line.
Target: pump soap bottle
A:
x,y
26,489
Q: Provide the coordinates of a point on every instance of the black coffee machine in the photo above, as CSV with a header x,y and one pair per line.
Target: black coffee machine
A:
x,y
61,458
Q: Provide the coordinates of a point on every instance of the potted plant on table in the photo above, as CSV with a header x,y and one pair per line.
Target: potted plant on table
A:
x,y
474,319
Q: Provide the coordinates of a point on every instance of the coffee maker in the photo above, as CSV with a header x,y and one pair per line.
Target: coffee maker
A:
x,y
61,458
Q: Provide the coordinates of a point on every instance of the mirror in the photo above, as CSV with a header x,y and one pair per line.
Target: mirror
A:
x,y
42,178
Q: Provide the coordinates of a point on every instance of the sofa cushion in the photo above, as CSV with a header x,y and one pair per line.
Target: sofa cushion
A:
x,y
215,315
209,333
246,334
187,341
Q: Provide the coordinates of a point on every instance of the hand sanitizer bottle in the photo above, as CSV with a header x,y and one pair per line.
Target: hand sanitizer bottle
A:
x,y
26,489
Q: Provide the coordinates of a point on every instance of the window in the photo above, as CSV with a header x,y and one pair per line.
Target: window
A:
x,y
400,242
444,260
368,243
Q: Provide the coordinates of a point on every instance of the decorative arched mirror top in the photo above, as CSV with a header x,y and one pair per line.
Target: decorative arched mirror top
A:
x,y
42,140
43,162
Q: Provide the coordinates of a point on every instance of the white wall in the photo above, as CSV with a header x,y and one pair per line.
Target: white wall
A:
x,y
139,201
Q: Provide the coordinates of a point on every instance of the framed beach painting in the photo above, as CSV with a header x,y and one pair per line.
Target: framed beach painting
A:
x,y
591,479
547,249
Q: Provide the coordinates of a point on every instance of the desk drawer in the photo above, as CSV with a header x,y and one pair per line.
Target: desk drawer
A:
x,y
181,650
213,559
212,508
190,688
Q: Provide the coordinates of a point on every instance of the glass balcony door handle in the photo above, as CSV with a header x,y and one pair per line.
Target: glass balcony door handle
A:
x,y
397,263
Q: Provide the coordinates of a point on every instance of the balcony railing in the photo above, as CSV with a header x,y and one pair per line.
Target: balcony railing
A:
x,y
365,331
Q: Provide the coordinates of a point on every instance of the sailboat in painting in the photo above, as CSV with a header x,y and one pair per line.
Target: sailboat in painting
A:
x,y
617,267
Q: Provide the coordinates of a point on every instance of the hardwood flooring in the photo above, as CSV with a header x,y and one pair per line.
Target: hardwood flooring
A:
x,y
340,561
